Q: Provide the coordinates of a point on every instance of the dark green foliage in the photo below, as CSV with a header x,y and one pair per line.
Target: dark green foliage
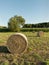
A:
x,y
38,25
4,29
35,29
26,29
15,23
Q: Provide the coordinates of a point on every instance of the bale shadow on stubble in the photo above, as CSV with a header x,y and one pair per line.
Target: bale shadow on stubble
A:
x,y
4,49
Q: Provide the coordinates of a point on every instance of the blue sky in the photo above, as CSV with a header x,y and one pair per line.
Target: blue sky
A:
x,y
34,11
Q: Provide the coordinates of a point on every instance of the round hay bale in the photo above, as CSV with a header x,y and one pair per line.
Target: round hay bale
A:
x,y
40,33
17,43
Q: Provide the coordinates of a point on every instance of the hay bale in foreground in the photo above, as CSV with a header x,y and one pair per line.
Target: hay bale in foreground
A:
x,y
40,33
17,43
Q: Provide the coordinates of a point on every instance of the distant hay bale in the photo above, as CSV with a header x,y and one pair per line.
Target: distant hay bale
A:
x,y
40,33
17,43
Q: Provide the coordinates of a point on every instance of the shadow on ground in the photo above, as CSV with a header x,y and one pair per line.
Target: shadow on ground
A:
x,y
3,49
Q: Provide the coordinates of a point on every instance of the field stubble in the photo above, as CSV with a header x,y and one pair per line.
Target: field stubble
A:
x,y
38,47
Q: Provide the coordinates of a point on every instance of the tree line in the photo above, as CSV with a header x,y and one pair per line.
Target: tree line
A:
x,y
16,23
39,25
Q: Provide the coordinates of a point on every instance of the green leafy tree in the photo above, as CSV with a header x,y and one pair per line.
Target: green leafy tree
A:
x,y
15,23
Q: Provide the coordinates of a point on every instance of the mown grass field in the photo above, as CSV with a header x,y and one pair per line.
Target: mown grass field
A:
x,y
38,47
5,35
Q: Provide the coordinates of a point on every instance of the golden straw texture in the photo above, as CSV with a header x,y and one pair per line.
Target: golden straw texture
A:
x,y
17,43
40,33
